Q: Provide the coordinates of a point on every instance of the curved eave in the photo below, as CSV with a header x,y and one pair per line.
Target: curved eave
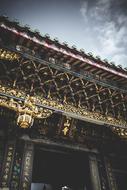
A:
x,y
65,51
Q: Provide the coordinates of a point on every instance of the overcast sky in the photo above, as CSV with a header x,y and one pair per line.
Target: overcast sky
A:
x,y
97,26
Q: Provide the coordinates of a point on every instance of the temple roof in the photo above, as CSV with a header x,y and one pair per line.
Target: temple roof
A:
x,y
78,59
40,73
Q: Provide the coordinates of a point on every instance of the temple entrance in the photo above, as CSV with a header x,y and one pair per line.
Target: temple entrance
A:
x,y
55,170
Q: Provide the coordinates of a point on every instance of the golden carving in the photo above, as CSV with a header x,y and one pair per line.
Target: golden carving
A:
x,y
25,120
67,124
29,106
121,132
8,55
65,130
26,110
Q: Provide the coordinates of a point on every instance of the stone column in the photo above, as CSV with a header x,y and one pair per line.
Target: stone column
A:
x,y
110,175
27,165
94,173
5,178
102,173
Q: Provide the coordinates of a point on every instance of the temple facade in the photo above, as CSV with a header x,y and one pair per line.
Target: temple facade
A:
x,y
63,115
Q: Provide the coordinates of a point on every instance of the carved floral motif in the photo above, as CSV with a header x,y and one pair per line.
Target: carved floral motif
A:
x,y
35,106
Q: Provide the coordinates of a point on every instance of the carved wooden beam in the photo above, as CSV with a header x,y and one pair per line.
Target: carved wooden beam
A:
x,y
39,107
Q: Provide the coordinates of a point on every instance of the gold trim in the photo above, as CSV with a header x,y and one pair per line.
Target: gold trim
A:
x,y
27,107
26,110
30,107
121,132
8,55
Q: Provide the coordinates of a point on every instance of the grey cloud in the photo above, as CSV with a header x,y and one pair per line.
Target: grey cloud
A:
x,y
108,21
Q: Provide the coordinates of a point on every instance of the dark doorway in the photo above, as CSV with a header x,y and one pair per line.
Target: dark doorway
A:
x,y
56,170
120,171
